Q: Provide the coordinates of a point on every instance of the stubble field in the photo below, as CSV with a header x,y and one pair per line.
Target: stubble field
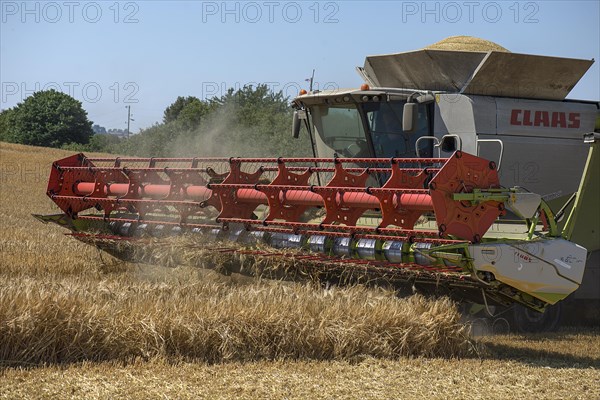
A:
x,y
78,324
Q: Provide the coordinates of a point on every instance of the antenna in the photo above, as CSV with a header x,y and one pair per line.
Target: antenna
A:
x,y
310,81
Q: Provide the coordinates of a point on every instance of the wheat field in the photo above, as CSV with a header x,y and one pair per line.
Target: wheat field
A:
x,y
76,323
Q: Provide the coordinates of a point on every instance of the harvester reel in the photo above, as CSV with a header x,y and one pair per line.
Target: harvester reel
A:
x,y
424,227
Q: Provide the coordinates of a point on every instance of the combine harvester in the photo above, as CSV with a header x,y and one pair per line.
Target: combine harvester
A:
x,y
404,187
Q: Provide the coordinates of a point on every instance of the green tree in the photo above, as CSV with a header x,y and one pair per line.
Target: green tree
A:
x,y
172,112
192,114
104,142
49,118
6,125
251,121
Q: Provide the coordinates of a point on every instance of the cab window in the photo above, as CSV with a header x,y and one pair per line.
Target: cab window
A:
x,y
343,130
389,140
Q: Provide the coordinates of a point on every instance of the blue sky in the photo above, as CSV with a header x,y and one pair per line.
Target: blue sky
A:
x,y
111,54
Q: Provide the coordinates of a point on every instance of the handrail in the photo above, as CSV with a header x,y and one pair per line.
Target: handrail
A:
x,y
493,141
436,144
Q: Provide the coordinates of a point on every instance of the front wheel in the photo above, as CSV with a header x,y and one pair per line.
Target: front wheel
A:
x,y
525,320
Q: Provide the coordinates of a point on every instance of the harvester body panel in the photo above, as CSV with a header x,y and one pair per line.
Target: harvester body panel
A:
x,y
548,270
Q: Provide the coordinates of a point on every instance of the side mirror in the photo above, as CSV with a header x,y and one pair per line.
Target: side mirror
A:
x,y
448,144
296,125
409,117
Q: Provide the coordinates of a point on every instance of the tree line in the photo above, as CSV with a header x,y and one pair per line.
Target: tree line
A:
x,y
251,121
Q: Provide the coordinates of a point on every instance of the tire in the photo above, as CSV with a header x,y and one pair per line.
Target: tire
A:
x,y
525,320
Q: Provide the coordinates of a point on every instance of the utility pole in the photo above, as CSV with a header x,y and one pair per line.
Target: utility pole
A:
x,y
128,119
